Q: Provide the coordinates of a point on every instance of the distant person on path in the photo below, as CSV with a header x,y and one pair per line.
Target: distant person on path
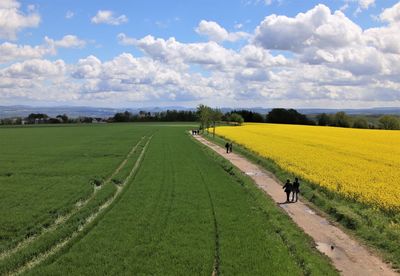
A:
x,y
296,189
230,147
288,189
227,146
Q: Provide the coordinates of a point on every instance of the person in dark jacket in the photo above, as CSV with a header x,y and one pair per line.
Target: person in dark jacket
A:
x,y
296,189
227,146
230,147
288,189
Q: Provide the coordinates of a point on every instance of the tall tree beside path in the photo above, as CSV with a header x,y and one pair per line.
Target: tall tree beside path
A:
x,y
204,114
216,116
208,117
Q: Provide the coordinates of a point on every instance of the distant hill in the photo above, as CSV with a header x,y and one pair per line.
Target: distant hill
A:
x,y
102,112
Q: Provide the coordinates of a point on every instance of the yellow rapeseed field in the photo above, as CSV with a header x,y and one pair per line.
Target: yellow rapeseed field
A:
x,y
357,163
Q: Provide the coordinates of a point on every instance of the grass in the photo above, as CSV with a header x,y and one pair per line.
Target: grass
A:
x,y
377,228
51,236
45,171
188,211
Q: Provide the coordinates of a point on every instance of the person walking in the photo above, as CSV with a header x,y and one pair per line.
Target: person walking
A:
x,y
296,189
227,146
288,189
230,147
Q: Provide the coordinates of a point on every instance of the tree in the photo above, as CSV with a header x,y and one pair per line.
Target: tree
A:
x,y
236,118
389,122
287,116
123,117
249,116
215,117
323,119
36,117
360,123
204,115
341,119
63,118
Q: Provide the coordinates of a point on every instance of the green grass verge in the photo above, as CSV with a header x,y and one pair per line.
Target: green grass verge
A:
x,y
376,228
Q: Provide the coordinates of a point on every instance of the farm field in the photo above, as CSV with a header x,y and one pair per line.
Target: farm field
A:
x,y
46,171
363,165
359,167
166,205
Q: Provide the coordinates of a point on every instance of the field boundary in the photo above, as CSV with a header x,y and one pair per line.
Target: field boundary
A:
x,y
79,205
347,254
90,220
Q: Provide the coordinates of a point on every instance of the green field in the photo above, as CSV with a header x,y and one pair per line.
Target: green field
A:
x,y
137,199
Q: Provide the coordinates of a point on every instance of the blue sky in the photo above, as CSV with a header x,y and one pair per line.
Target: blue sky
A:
x,y
224,53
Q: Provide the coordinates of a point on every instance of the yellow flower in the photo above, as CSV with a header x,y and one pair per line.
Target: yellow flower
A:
x,y
357,163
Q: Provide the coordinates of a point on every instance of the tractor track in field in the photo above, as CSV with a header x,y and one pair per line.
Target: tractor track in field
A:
x,y
62,219
105,207
346,254
216,270
159,220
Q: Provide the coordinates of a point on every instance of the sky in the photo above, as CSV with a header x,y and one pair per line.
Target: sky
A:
x,y
223,53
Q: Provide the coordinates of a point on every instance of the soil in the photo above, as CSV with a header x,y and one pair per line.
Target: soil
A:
x,y
347,255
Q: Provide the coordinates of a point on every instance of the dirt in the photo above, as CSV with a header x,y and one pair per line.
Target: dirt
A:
x,y
347,254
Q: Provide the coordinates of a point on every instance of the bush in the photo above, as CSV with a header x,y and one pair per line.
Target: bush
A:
x,y
324,120
341,119
360,123
389,122
236,118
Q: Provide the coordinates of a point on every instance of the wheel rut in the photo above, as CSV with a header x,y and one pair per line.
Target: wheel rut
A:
x,y
216,265
62,219
105,207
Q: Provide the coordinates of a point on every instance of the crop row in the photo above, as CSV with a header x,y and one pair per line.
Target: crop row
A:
x,y
49,242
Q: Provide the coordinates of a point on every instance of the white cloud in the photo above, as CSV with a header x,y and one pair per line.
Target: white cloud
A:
x,y
391,15
89,67
317,27
124,40
35,68
322,37
365,4
10,52
12,20
208,54
68,41
108,17
329,60
217,33
386,39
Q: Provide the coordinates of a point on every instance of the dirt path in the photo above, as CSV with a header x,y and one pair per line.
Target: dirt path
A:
x,y
348,256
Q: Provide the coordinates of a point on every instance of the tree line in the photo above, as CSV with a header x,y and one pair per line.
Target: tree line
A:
x,y
41,118
210,117
341,119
